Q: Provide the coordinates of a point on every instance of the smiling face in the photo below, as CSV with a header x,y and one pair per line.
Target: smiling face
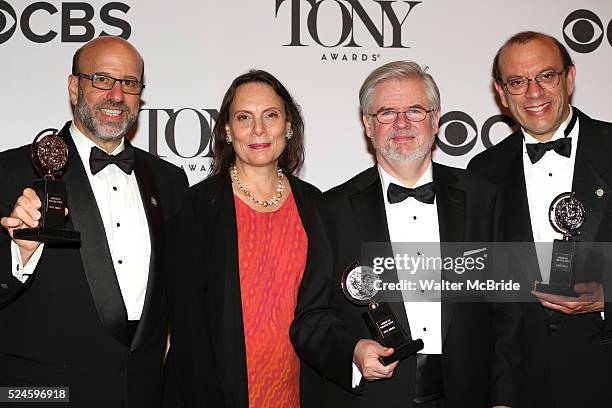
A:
x,y
402,141
105,116
257,125
539,111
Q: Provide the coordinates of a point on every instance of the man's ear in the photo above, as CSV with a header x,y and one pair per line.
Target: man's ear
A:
x,y
436,122
367,124
73,89
569,79
500,91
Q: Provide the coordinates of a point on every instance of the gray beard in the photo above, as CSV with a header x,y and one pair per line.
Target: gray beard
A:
x,y
391,153
87,118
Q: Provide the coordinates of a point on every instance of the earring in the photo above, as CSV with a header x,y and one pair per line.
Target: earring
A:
x,y
289,134
228,138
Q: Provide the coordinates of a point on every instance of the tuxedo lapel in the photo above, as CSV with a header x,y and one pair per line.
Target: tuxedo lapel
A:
x,y
450,203
517,220
591,183
451,207
592,175
95,254
152,206
585,184
516,216
369,212
369,208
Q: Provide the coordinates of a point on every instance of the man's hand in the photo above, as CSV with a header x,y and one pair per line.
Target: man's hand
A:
x,y
591,299
25,214
366,357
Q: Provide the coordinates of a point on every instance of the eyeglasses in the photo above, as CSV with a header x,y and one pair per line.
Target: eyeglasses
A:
x,y
414,114
546,80
105,82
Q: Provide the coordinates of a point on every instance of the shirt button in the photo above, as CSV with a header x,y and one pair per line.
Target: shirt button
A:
x,y
424,328
114,188
118,224
120,262
549,174
414,218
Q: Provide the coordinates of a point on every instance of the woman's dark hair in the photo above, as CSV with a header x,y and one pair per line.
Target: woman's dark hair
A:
x,y
292,158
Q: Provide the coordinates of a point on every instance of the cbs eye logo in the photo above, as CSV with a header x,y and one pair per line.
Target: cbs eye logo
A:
x,y
454,136
6,11
73,16
583,31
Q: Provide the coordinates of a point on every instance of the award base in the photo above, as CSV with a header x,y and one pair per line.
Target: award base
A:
x,y
553,289
48,235
403,351
387,331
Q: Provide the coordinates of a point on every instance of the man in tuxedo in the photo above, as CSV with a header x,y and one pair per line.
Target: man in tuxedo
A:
x,y
405,197
91,316
566,342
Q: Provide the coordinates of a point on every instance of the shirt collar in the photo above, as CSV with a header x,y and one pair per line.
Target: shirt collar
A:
x,y
387,179
84,145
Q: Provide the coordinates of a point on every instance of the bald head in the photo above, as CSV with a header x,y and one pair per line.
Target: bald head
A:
x,y
103,46
523,38
104,114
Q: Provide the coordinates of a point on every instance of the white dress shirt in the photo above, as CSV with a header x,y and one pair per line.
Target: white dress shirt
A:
x,y
415,222
125,225
544,180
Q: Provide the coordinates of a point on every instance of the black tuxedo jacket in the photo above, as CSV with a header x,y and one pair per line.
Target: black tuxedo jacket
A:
x,y
67,325
327,326
567,359
207,357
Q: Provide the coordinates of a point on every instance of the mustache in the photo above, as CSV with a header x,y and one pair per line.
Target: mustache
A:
x,y
112,105
402,133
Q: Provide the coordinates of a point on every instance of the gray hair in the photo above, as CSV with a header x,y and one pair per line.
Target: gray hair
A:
x,y
398,70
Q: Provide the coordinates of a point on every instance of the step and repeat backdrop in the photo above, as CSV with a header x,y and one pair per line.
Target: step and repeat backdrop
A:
x,y
320,49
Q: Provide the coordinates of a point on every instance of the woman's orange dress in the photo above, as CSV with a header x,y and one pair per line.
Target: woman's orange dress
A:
x,y
272,254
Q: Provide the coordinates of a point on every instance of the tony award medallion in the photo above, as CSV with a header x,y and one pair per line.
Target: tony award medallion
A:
x,y
358,285
566,215
49,156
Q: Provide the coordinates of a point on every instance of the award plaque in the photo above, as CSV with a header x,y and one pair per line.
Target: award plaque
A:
x,y
358,285
566,215
49,156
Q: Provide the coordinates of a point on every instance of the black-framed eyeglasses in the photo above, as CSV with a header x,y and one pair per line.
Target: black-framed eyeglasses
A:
x,y
105,82
414,114
546,80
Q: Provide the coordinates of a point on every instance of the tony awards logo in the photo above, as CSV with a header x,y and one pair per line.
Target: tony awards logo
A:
x,y
566,216
359,286
49,156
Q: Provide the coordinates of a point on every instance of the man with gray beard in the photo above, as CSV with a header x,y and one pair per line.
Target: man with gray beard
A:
x,y
405,197
91,316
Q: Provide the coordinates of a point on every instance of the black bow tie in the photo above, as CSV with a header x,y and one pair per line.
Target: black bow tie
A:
x,y
424,193
536,151
99,159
